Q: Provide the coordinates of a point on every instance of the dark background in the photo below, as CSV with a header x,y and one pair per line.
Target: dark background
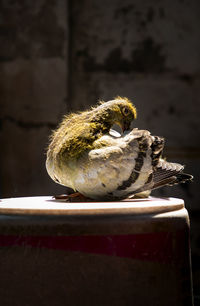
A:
x,y
60,56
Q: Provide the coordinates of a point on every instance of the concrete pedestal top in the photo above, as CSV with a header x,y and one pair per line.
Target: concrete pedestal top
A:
x,y
48,206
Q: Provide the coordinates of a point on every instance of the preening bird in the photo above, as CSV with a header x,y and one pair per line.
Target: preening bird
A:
x,y
86,155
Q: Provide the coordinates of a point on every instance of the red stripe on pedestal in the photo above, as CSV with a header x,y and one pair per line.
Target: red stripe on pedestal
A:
x,y
150,247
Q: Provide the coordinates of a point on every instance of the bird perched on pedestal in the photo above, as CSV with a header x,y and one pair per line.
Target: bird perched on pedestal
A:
x,y
86,155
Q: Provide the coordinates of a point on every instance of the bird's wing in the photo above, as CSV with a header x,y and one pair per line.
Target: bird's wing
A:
x,y
116,166
125,166
165,173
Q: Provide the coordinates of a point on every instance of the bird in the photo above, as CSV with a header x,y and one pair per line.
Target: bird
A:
x,y
99,163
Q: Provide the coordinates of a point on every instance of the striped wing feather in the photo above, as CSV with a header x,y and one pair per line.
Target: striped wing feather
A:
x,y
167,174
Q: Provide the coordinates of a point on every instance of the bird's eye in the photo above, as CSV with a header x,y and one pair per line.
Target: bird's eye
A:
x,y
125,111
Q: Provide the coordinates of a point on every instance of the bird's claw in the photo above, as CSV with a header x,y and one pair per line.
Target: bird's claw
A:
x,y
73,197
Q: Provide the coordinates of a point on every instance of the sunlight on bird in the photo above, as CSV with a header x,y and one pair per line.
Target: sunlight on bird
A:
x,y
98,154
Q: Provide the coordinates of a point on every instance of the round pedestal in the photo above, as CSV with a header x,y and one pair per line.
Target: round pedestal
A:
x,y
133,252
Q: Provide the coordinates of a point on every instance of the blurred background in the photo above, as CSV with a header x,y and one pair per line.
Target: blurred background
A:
x,y
61,56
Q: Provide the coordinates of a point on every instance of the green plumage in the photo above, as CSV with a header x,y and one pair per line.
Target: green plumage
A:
x,y
77,132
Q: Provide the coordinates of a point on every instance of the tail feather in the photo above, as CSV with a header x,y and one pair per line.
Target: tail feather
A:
x,y
169,174
162,172
166,174
182,178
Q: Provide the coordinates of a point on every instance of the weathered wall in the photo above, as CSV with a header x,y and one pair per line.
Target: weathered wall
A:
x,y
33,89
58,56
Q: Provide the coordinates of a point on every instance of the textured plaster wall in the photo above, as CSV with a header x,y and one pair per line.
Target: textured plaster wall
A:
x,y
58,56
33,90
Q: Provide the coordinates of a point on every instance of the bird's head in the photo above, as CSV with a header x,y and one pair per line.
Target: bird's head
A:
x,y
119,111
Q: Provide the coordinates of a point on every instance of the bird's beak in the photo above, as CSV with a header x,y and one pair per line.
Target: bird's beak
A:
x,y
125,126
117,127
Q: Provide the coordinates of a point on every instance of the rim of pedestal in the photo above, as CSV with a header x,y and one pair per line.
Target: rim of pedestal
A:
x,y
46,205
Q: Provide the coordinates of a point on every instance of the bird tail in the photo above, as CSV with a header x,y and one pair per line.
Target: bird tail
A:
x,y
165,173
169,174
